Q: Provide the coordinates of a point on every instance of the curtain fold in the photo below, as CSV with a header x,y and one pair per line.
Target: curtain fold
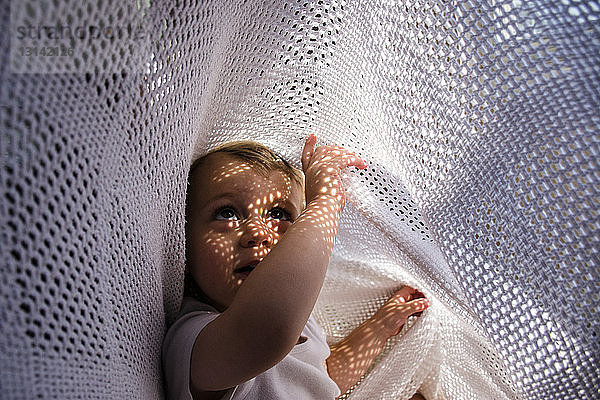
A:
x,y
480,123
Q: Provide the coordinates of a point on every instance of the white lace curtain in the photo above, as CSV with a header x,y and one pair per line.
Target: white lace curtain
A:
x,y
480,122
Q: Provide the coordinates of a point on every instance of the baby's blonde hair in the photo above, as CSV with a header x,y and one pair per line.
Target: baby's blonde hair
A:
x,y
258,156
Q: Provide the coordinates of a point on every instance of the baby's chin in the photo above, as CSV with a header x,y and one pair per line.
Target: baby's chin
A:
x,y
241,278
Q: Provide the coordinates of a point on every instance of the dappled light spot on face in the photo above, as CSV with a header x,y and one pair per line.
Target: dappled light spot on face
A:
x,y
230,170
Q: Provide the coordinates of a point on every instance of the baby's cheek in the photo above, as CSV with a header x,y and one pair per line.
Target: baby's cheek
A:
x,y
221,245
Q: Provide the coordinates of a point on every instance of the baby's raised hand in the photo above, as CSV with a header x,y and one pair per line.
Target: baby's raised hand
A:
x,y
322,166
392,316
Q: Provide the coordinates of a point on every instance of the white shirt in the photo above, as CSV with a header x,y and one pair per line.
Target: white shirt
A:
x,y
300,375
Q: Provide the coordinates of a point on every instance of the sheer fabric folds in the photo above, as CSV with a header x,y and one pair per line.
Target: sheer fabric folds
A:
x,y
480,124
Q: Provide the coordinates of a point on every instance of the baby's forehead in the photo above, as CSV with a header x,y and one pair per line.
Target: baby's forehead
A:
x,y
224,172
219,167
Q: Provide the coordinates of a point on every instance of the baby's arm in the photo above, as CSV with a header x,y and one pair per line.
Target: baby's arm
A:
x,y
350,358
271,308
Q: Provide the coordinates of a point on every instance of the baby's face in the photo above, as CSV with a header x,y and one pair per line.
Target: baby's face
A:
x,y
236,216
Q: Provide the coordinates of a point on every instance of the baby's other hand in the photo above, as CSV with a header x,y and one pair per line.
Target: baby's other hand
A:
x,y
322,166
392,316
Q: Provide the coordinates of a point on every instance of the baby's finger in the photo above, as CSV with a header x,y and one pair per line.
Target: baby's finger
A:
x,y
417,306
405,293
352,160
308,150
339,156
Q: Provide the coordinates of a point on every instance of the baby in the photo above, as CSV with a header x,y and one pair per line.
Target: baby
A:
x,y
259,236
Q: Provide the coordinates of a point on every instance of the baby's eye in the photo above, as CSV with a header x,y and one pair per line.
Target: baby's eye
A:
x,y
226,213
280,214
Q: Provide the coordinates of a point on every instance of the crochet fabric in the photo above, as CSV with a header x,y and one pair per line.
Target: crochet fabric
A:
x,y
479,120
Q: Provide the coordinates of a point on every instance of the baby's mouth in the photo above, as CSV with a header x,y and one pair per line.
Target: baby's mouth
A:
x,y
246,270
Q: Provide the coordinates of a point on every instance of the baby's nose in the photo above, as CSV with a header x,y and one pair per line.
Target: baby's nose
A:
x,y
257,233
